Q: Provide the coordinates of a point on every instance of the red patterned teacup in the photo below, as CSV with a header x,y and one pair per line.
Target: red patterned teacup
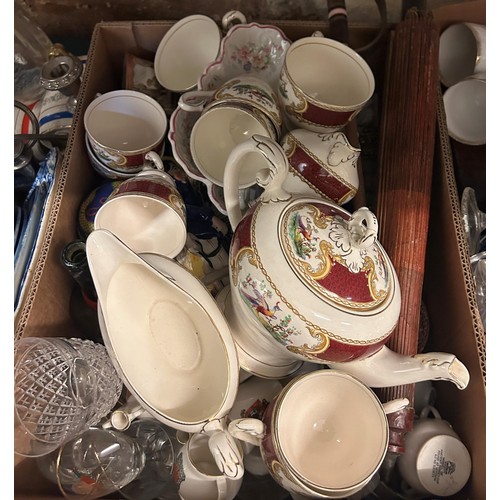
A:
x,y
323,84
146,212
123,126
323,436
322,165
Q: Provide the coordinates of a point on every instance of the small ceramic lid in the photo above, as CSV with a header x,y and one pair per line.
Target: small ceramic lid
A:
x,y
443,465
323,251
165,334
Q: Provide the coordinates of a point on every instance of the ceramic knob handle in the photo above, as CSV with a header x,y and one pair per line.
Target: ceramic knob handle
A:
x,y
363,227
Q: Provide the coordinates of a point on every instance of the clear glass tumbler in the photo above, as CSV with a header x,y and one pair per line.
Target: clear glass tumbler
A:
x,y
61,387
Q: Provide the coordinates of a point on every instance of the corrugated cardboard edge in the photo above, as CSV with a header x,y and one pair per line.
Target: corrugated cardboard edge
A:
x,y
447,165
42,246
39,243
21,318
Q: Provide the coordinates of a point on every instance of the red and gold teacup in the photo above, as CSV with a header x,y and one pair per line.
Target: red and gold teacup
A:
x,y
122,127
146,212
323,84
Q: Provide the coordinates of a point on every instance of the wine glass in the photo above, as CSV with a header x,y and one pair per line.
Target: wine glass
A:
x,y
473,218
160,446
94,464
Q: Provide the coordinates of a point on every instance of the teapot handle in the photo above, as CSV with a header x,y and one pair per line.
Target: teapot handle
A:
x,y
271,176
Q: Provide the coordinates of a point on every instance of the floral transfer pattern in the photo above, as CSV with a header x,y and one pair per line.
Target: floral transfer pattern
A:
x,y
178,471
261,301
253,57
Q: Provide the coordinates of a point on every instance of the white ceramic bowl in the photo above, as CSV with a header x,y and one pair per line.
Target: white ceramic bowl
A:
x,y
465,108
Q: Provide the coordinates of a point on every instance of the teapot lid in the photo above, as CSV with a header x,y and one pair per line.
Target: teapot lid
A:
x,y
165,334
336,255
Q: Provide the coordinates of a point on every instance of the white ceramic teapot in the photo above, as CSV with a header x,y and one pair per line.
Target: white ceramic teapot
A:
x,y
310,282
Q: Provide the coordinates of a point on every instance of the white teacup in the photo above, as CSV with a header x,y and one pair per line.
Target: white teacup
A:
x,y
465,108
248,91
146,212
107,172
462,52
323,84
122,126
187,48
184,52
218,131
197,474
435,462
240,108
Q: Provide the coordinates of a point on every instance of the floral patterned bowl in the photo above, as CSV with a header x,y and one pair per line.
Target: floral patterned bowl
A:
x,y
250,49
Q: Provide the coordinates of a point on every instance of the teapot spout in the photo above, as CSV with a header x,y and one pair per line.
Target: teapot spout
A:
x,y
386,368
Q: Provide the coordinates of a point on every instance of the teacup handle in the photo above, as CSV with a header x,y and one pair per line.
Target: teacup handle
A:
x,y
271,177
232,18
195,100
154,159
249,430
429,409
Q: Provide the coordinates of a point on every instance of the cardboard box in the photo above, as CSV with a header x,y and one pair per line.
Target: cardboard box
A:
x,y
455,325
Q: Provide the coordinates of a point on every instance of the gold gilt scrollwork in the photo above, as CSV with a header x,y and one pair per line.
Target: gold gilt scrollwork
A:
x,y
177,203
279,471
312,352
326,256
369,266
299,107
320,219
289,146
236,262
